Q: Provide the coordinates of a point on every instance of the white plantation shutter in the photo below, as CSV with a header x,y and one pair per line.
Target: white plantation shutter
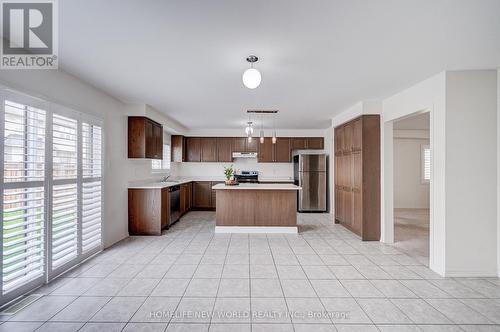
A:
x,y
64,224
64,239
426,163
91,192
23,199
50,190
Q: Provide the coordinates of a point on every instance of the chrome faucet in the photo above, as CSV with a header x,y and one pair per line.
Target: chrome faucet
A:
x,y
165,178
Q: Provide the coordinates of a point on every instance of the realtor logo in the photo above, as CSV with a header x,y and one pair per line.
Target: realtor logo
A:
x,y
29,34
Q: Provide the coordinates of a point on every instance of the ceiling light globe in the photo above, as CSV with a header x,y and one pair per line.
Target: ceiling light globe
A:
x,y
251,78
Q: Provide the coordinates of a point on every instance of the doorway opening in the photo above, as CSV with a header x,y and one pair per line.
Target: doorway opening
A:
x,y
412,165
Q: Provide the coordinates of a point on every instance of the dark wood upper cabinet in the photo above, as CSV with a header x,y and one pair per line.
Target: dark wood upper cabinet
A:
x,y
150,139
277,153
238,144
193,147
241,144
317,143
178,148
299,143
208,149
357,135
307,143
252,146
145,138
282,150
158,142
266,151
224,153
347,142
339,140
220,149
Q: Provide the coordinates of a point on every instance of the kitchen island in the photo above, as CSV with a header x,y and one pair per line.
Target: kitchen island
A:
x,y
256,208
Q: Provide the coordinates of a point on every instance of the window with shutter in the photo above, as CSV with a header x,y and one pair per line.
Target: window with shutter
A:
x,y
164,164
426,163
23,199
64,240
91,191
51,191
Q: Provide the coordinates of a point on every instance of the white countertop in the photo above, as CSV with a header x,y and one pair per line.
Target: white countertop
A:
x,y
152,184
159,184
258,186
285,180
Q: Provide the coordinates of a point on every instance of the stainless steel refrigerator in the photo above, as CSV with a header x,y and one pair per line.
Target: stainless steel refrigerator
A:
x,y
310,173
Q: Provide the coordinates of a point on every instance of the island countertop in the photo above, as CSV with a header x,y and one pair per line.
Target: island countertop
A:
x,y
257,186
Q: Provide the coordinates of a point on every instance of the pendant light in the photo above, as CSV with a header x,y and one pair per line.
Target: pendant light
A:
x,y
261,129
249,129
251,77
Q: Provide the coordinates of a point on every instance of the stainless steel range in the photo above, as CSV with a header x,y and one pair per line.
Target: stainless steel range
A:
x,y
247,177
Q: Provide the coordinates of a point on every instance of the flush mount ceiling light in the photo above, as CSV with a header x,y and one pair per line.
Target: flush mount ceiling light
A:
x,y
251,76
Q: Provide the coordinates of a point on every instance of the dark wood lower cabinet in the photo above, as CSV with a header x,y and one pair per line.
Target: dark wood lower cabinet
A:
x,y
186,197
202,195
147,211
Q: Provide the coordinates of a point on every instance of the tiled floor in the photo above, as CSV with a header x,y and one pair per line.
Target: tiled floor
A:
x,y
411,233
324,279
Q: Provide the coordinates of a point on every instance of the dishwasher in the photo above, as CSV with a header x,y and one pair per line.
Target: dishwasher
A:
x,y
175,204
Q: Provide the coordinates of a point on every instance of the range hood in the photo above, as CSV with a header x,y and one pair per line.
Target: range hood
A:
x,y
244,154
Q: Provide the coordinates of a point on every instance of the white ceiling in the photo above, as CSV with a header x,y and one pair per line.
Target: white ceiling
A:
x,y
416,122
186,57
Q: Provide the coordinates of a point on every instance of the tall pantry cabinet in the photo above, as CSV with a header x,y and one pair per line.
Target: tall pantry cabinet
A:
x,y
357,176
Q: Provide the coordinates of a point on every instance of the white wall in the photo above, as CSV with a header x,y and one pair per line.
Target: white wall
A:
x,y
463,137
471,173
409,190
59,87
498,171
426,96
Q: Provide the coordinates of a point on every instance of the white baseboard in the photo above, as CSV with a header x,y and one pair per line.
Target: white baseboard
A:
x,y
471,274
256,230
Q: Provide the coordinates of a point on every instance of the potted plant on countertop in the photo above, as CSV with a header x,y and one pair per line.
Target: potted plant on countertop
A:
x,y
229,173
